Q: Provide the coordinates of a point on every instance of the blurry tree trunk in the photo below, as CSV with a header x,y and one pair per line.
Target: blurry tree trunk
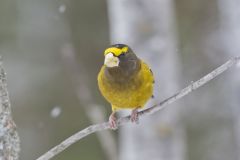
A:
x,y
94,112
230,23
44,28
208,116
147,26
9,140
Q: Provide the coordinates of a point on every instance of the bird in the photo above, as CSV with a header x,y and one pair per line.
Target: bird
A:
x,y
125,81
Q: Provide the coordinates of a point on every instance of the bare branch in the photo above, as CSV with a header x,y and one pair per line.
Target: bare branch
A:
x,y
121,121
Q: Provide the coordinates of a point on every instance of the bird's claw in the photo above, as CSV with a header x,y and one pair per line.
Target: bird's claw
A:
x,y
113,121
134,116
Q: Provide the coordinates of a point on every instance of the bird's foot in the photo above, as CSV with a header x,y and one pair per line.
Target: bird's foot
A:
x,y
113,121
134,116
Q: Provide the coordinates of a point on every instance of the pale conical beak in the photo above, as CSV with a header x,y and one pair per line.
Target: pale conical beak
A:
x,y
111,61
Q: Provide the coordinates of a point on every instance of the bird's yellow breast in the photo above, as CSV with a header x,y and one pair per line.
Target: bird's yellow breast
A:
x,y
132,94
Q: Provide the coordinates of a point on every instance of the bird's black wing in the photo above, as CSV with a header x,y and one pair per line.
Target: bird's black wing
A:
x,y
153,79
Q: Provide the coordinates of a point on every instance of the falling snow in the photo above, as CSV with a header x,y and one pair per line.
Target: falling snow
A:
x,y
62,8
56,111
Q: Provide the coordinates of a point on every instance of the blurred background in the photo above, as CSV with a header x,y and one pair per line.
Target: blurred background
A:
x,y
52,52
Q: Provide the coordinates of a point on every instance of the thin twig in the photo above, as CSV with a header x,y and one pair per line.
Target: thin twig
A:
x,y
121,121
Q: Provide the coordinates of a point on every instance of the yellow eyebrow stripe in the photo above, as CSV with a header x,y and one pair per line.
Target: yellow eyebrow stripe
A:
x,y
116,51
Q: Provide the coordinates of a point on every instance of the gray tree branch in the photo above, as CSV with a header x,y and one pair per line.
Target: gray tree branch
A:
x,y
9,140
121,121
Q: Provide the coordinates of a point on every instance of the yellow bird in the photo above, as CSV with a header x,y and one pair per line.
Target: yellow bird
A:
x,y
125,81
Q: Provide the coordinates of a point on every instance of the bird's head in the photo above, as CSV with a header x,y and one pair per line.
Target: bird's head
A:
x,y
119,55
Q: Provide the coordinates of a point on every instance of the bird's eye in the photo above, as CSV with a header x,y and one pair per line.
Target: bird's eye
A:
x,y
121,55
